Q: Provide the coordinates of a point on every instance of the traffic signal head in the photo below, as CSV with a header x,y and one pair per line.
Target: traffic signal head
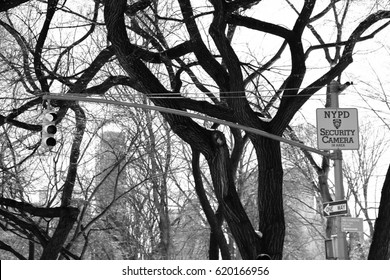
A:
x,y
49,129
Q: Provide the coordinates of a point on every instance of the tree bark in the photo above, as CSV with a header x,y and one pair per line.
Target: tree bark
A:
x,y
380,246
270,196
217,239
5,5
247,241
55,243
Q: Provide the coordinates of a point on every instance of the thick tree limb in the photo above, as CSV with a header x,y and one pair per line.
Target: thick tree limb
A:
x,y
55,243
26,226
25,207
5,5
51,9
259,25
6,247
153,57
67,189
101,59
240,104
16,112
205,58
215,227
132,9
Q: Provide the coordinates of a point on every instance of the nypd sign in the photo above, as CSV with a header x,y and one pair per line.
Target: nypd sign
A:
x,y
337,128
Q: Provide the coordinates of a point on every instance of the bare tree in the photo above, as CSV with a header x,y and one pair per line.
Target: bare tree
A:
x,y
181,55
233,104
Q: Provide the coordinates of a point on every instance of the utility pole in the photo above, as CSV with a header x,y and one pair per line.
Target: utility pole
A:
x,y
341,245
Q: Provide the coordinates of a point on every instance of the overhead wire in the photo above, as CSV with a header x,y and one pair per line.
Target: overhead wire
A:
x,y
193,95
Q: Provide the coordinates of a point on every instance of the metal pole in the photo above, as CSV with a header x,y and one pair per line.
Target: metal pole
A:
x,y
187,114
342,253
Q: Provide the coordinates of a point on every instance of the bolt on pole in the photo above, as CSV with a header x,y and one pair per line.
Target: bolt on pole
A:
x,y
342,252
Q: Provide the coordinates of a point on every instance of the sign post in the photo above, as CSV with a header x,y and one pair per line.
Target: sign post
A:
x,y
337,129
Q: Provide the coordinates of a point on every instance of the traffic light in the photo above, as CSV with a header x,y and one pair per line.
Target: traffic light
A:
x,y
49,129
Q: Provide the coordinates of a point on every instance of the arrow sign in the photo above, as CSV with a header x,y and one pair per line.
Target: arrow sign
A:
x,y
335,208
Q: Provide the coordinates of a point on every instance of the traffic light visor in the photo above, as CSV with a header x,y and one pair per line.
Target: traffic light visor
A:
x,y
51,116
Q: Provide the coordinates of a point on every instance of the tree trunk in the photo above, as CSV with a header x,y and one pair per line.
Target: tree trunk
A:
x,y
65,225
380,246
218,241
160,189
31,247
217,238
270,196
247,241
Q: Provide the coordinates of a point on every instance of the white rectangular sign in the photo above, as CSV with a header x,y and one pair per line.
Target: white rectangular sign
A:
x,y
349,224
337,128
